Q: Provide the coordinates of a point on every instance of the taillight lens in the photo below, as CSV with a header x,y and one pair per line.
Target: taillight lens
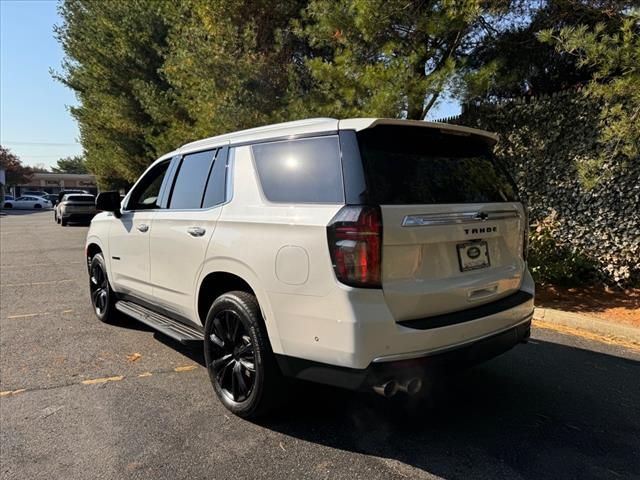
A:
x,y
355,245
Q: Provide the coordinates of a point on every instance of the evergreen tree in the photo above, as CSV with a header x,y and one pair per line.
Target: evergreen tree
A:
x,y
614,58
388,58
114,50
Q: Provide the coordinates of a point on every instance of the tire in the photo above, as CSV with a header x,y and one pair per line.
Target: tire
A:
x,y
102,297
8,205
239,359
55,216
63,222
37,206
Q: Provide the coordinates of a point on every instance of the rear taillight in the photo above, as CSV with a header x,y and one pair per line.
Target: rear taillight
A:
x,y
355,245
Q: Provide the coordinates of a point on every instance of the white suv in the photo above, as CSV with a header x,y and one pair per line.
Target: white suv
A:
x,y
357,253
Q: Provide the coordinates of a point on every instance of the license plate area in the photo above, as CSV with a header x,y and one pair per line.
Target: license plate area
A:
x,y
473,255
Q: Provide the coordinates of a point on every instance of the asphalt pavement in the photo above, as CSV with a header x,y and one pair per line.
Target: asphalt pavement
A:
x,y
84,400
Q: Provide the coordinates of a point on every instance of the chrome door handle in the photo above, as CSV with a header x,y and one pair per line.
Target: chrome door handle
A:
x,y
142,227
196,231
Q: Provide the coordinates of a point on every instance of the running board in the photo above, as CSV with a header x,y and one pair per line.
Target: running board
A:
x,y
163,324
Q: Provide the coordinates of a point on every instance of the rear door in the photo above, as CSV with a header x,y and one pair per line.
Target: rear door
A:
x,y
181,233
452,225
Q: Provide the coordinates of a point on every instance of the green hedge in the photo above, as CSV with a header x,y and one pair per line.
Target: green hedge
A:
x,y
548,144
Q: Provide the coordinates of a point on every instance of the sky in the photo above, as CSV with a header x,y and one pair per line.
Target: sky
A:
x,y
35,122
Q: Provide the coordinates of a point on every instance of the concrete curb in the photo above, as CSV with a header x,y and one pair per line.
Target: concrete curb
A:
x,y
585,322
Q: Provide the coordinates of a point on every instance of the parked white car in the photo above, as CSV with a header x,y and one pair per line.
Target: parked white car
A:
x,y
27,202
358,253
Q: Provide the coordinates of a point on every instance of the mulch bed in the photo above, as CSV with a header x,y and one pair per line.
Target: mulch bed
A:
x,y
601,302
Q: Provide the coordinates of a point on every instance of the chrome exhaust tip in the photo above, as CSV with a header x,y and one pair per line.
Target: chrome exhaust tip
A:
x,y
387,389
411,386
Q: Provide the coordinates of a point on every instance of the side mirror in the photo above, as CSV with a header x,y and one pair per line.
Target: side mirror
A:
x,y
109,202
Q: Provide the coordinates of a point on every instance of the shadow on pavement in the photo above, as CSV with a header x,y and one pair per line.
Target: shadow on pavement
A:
x,y
543,410
12,212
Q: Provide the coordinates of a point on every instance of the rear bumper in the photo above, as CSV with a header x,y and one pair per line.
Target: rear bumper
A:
x,y
402,370
354,328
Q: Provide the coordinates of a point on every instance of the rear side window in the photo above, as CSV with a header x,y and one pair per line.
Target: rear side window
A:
x,y
417,165
300,171
193,173
216,185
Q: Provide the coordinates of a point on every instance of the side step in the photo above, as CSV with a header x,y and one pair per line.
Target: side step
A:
x,y
170,327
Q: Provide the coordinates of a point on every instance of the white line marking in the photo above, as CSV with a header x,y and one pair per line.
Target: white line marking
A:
x,y
32,284
27,315
31,315
40,265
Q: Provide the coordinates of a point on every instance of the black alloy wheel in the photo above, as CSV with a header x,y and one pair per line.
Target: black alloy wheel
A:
x,y
234,365
238,356
101,294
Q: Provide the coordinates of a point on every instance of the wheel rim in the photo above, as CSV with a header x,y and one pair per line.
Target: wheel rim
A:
x,y
99,289
232,356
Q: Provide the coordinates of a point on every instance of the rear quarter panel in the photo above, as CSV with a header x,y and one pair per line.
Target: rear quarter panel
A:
x,y
278,249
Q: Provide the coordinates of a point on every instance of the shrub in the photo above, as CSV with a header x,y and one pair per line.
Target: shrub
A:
x,y
552,262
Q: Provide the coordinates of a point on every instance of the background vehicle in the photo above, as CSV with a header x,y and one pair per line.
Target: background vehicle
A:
x,y
9,197
34,193
52,197
27,202
358,253
62,193
75,208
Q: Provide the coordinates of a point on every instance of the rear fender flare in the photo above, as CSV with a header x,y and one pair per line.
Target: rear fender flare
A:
x,y
239,269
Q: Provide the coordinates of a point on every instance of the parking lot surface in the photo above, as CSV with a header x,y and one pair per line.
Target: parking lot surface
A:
x,y
80,399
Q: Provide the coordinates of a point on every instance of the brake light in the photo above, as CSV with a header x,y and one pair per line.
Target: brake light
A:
x,y
355,245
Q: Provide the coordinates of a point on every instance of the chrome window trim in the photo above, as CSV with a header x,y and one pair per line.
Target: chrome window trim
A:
x,y
431,219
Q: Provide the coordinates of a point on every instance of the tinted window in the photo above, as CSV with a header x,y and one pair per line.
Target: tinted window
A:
x,y
79,198
301,171
215,193
416,165
193,172
147,192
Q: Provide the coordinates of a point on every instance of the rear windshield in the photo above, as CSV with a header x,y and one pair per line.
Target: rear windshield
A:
x,y
417,165
80,198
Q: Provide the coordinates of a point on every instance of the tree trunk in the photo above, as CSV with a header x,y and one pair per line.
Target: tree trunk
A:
x,y
415,108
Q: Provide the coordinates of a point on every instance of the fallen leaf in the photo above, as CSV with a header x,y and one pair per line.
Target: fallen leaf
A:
x,y
134,357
